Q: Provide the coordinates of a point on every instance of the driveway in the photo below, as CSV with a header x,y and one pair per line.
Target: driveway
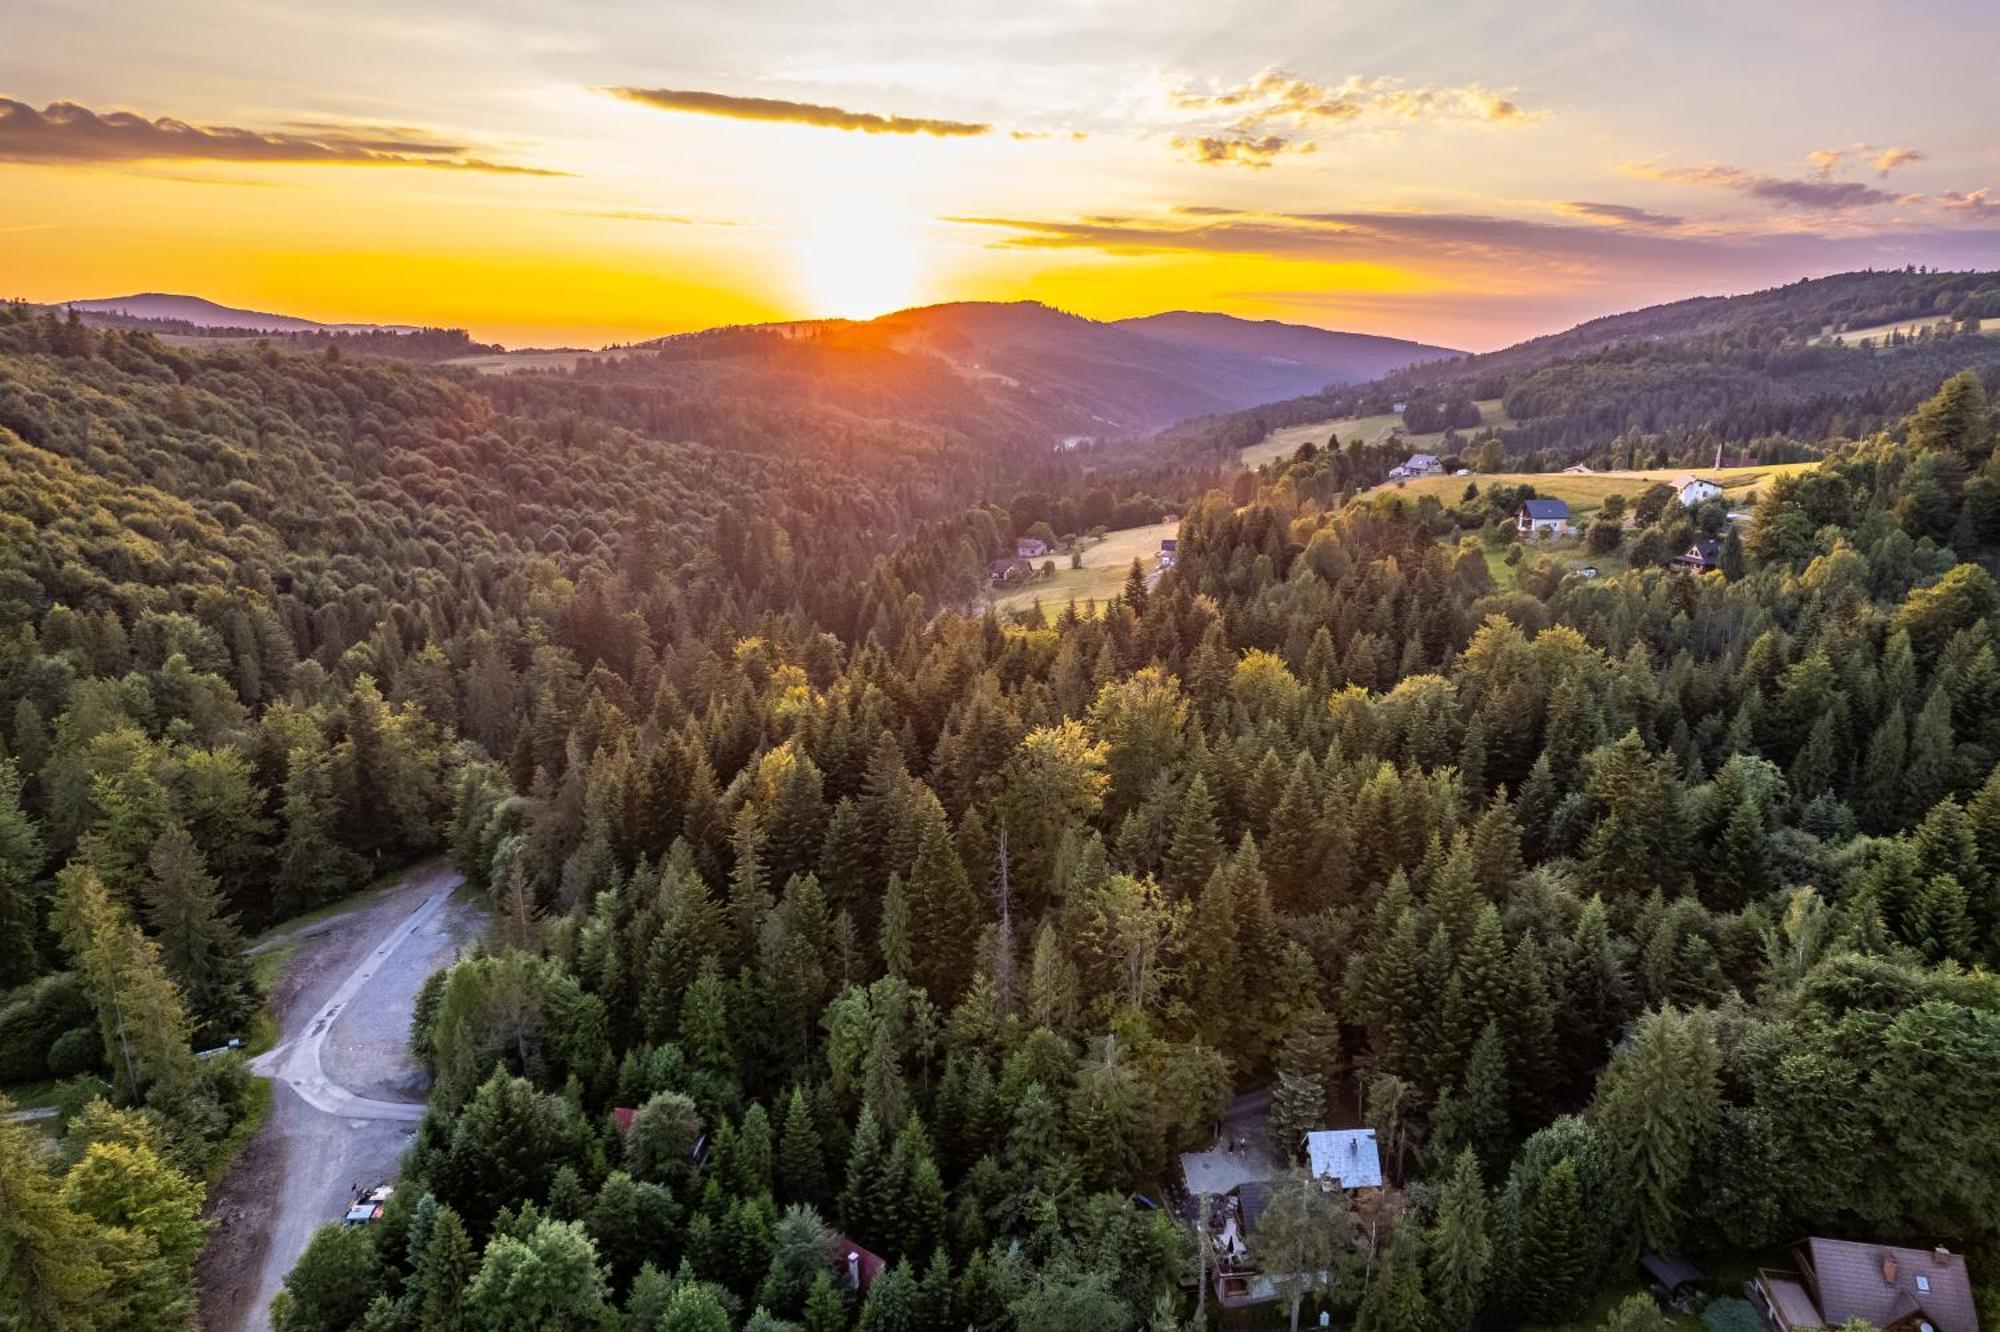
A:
x,y
346,1094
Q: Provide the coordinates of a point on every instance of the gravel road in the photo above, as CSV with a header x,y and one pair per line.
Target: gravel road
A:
x,y
346,1094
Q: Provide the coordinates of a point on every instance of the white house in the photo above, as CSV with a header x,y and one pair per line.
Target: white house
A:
x,y
1542,518
1419,464
1693,489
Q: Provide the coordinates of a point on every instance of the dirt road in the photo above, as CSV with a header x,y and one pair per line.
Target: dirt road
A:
x,y
346,1094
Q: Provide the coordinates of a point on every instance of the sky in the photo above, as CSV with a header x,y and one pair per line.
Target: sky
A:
x,y
1466,174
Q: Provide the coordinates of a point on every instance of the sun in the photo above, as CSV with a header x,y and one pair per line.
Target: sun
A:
x,y
857,265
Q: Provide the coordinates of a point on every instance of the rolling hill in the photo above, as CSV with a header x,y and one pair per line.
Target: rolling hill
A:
x,y
1074,377
202,313
1769,373
1338,358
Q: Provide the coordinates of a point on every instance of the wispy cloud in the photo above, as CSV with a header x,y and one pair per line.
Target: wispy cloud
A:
x,y
1237,149
1979,204
779,111
1825,161
65,133
1818,192
1618,214
1278,95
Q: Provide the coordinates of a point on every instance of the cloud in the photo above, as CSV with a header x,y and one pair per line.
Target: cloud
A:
x,y
64,133
1237,149
1277,95
1891,158
1618,214
778,111
1825,161
1818,192
1400,238
1976,203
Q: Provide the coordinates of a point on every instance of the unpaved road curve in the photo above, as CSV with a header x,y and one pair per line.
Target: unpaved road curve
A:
x,y
346,1094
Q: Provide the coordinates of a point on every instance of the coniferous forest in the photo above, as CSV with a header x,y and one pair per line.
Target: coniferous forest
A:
x,y
1651,913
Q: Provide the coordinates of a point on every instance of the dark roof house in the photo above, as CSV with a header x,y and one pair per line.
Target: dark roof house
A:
x,y
1896,1290
855,1267
1705,553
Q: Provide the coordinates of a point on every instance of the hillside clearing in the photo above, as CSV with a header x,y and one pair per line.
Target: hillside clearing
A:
x,y
1852,337
1105,566
1369,429
1585,493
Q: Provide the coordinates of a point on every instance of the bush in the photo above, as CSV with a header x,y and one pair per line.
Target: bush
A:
x,y
75,1051
1731,1315
52,1005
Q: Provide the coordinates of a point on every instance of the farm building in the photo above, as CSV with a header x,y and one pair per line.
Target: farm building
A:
x,y
1005,572
1897,1290
1692,490
1542,518
1418,464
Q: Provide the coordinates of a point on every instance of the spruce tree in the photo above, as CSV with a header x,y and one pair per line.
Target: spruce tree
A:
x,y
199,942
1460,1250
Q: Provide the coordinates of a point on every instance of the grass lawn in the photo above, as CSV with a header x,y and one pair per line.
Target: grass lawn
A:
x,y
1105,565
1585,493
1368,429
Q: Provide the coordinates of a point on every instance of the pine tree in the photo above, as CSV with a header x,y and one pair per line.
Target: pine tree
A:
x,y
944,914
1195,848
139,1012
51,1278
863,1209
1656,1106
1549,1280
893,941
21,860
199,943
801,1162
1460,1252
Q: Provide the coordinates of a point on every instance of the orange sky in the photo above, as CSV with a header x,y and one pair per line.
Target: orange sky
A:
x,y
658,168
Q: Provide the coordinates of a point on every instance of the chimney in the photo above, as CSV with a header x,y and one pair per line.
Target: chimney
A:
x,y
1889,1268
854,1269
1941,1256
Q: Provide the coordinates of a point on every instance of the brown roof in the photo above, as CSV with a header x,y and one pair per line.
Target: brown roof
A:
x,y
1884,1284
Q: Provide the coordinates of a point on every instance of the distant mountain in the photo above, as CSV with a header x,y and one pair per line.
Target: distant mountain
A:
x,y
1337,358
1065,373
207,314
1767,373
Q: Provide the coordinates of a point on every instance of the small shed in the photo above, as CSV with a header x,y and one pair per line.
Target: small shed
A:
x,y
1676,1277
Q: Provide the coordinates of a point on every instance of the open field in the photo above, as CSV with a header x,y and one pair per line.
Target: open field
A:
x,y
1105,565
1878,332
507,363
1585,493
1283,440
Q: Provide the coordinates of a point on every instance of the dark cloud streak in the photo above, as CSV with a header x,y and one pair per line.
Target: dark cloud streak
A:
x,y
778,111
66,134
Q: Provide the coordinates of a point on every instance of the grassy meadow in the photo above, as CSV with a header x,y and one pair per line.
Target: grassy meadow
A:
x,y
1283,440
1105,564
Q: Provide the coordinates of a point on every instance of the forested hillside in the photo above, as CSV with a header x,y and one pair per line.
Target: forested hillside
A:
x,y
1765,375
1649,912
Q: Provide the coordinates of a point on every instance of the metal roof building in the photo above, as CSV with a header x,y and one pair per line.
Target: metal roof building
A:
x,y
1346,1155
